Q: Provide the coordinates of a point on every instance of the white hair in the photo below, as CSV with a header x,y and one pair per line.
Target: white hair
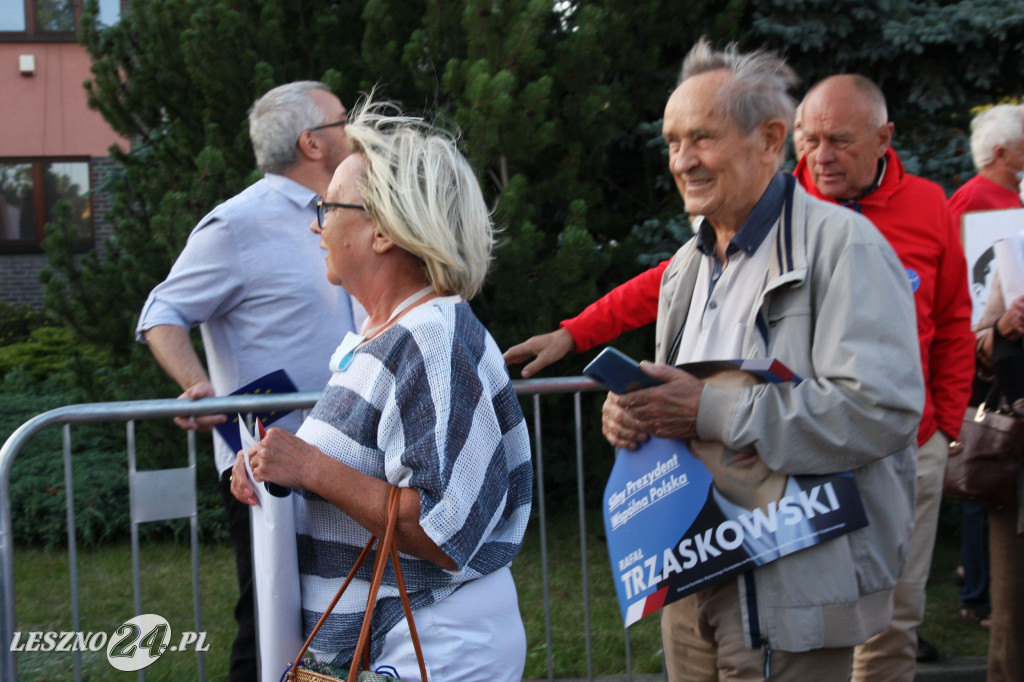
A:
x,y
1000,126
278,118
422,194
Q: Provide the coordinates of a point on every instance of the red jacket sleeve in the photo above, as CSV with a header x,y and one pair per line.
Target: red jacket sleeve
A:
x,y
952,350
628,306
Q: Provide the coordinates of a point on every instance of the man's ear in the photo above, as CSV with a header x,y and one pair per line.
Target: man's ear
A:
x,y
884,138
773,135
998,153
310,145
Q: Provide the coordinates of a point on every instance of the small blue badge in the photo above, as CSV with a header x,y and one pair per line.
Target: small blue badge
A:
x,y
915,280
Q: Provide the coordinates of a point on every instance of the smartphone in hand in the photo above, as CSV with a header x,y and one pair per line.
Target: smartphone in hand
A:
x,y
618,372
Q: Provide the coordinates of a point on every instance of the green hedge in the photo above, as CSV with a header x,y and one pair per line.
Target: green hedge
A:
x,y
17,322
38,371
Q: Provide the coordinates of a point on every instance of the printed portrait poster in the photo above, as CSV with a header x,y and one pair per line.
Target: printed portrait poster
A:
x,y
671,532
980,231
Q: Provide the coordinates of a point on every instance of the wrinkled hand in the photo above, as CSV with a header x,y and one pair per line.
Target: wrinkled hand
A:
x,y
201,390
283,458
1011,324
240,486
544,349
666,411
619,428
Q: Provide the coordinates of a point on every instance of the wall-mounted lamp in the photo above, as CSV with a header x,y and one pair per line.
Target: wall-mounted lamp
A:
x,y
27,64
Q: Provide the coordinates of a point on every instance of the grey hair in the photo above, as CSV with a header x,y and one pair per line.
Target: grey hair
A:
x,y
278,118
758,90
422,194
1000,126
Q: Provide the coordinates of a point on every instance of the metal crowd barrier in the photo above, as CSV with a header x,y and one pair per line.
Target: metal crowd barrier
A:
x,y
149,501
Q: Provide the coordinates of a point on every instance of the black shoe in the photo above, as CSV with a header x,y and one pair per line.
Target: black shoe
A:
x,y
926,651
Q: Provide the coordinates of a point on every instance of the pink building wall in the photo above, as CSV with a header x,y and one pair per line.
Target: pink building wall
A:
x,y
46,114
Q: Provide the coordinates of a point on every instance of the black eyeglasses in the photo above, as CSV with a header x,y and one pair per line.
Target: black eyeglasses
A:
x,y
322,206
328,125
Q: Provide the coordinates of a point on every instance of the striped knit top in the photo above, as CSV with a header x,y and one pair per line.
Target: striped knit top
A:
x,y
427,404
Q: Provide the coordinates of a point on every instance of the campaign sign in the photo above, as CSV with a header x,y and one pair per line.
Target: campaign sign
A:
x,y
672,533
675,526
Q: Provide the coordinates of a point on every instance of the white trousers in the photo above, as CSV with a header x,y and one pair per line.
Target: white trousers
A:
x,y
476,633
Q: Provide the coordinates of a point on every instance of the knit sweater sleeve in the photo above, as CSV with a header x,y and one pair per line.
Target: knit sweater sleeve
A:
x,y
455,432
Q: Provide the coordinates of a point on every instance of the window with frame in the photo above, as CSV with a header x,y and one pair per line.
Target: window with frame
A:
x,y
50,19
29,189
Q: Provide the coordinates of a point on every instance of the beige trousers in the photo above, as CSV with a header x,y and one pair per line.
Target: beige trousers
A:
x,y
704,642
890,656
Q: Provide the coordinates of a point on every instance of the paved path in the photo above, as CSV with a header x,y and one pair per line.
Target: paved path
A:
x,y
967,669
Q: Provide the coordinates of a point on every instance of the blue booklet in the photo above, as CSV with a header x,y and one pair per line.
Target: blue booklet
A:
x,y
275,382
675,525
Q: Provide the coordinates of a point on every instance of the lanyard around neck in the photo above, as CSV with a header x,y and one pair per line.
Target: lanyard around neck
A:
x,y
369,333
342,356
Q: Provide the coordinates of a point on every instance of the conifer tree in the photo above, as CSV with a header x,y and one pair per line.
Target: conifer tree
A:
x,y
559,104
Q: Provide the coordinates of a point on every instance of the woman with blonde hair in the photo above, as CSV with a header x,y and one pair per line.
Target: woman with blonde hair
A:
x,y
421,400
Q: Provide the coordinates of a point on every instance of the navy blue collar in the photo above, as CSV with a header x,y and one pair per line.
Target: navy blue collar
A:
x,y
755,228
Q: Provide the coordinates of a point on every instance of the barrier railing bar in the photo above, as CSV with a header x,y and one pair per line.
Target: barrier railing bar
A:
x,y
581,501
136,561
194,526
542,509
69,499
129,412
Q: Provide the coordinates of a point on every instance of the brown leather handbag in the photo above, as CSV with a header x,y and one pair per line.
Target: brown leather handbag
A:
x,y
387,548
985,470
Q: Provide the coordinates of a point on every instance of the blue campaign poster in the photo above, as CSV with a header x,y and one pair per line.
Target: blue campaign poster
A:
x,y
651,496
673,530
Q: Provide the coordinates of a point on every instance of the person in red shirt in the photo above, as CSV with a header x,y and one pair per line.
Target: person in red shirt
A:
x,y
997,148
848,160
991,547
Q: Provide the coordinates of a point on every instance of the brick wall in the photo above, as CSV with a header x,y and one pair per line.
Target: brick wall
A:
x,y
19,279
19,273
101,202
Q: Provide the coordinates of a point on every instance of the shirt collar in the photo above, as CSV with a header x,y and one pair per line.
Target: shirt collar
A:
x,y
295,192
755,228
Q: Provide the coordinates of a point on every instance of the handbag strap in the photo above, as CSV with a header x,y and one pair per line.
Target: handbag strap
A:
x,y
992,402
388,546
330,607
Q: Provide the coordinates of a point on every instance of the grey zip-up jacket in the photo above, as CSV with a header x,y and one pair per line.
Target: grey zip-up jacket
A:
x,y
837,309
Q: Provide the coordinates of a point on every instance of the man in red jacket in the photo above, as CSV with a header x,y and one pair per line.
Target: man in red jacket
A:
x,y
848,160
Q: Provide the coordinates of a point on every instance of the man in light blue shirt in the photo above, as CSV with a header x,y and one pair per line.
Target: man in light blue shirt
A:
x,y
252,277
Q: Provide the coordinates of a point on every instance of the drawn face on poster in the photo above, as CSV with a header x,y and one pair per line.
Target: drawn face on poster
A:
x,y
979,232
